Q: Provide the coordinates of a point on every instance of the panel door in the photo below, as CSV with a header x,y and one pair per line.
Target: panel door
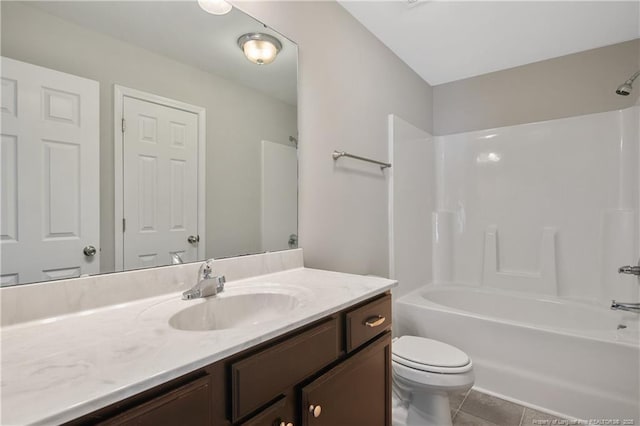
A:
x,y
279,216
188,405
161,192
50,174
354,393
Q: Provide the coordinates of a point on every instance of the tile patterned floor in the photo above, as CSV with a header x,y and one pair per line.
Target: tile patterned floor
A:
x,y
475,408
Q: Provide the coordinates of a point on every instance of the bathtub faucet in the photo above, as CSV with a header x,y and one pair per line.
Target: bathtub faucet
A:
x,y
631,270
630,307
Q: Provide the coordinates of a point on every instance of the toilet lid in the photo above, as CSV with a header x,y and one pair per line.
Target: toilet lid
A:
x,y
428,352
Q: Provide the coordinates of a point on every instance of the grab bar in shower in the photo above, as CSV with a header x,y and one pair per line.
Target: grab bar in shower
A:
x,y
339,154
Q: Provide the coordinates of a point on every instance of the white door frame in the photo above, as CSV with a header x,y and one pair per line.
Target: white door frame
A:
x,y
120,92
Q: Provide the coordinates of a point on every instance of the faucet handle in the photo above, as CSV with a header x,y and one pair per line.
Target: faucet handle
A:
x,y
206,270
220,281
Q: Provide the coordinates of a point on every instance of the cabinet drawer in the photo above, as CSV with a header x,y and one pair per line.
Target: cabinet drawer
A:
x,y
368,321
264,376
188,405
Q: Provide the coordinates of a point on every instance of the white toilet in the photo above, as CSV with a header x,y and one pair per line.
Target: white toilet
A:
x,y
424,371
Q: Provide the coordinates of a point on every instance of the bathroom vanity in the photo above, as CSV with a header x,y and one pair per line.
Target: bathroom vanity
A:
x,y
334,371
283,345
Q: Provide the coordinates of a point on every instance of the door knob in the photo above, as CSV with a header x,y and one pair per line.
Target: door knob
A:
x,y
316,410
89,251
193,239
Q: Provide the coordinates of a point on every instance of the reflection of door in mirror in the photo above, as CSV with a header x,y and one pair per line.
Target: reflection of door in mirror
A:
x,y
116,44
279,202
160,147
50,135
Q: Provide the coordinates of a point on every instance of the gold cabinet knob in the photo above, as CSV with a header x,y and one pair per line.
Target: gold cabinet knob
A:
x,y
286,424
316,410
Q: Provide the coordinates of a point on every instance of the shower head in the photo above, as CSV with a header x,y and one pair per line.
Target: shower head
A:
x,y
625,88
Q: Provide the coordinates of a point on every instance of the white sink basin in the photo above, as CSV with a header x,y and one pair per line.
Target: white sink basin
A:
x,y
234,311
240,305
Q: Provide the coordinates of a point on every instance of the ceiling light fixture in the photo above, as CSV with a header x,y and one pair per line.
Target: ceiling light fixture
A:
x,y
215,7
260,48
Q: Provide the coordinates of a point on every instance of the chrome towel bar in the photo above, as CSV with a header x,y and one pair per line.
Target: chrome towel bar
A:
x,y
338,154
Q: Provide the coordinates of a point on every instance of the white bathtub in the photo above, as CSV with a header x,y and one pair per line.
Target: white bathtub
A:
x,y
553,354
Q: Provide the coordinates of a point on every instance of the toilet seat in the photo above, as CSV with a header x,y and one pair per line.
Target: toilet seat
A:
x,y
429,355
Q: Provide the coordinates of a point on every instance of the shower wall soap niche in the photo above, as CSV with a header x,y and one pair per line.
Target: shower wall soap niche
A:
x,y
544,281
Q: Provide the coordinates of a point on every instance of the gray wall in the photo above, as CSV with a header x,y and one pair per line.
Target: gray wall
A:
x,y
581,83
233,147
348,83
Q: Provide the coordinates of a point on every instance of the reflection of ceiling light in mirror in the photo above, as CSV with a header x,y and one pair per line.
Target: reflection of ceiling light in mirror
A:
x,y
259,48
215,7
490,157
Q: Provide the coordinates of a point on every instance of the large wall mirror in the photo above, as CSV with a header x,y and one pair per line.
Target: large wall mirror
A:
x,y
140,134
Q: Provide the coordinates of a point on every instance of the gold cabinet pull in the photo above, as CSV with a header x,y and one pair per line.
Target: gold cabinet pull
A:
x,y
286,424
374,321
316,410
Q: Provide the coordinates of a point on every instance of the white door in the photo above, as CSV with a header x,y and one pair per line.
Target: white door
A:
x,y
279,196
50,169
160,161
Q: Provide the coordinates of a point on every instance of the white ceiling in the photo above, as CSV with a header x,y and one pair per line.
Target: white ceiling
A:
x,y
184,32
445,41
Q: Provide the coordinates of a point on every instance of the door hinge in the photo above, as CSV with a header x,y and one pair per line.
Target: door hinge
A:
x,y
124,125
124,224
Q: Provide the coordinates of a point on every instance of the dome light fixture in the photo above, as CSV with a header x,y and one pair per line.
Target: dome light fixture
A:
x,y
215,7
260,48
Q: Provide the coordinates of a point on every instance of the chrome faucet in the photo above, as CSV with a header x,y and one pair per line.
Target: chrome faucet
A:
x,y
631,270
207,285
629,307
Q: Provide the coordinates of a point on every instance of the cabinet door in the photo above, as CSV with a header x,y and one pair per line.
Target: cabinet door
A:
x,y
280,413
189,405
260,378
355,393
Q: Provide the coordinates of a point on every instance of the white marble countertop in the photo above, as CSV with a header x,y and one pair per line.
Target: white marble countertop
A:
x,y
57,369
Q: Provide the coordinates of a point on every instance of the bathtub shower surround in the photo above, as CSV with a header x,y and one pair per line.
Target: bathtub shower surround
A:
x,y
548,207
411,151
530,227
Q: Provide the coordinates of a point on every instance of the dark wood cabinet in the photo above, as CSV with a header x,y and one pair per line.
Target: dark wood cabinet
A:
x,y
189,404
355,392
255,380
340,365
